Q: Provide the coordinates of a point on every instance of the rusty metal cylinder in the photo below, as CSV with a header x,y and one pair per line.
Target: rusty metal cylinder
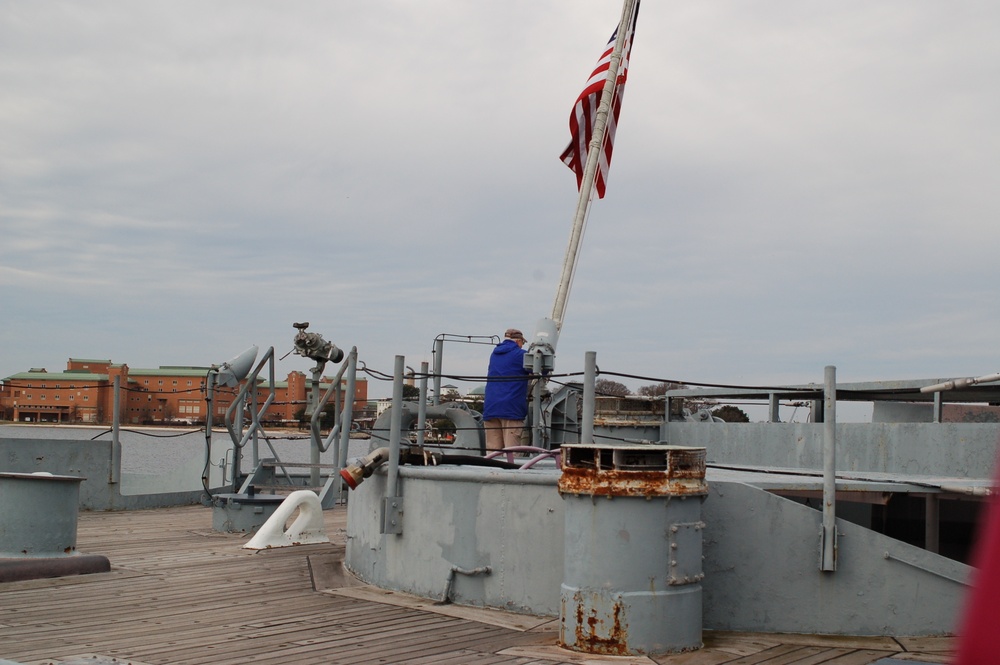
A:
x,y
633,549
39,514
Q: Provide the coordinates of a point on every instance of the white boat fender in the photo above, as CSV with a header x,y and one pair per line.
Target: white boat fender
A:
x,y
307,528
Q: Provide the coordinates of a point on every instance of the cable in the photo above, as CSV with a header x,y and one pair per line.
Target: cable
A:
x,y
150,434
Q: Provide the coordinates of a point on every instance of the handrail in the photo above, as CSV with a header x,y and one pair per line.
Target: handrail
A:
x,y
347,414
239,402
314,421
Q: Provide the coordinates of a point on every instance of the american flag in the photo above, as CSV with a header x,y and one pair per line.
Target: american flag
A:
x,y
581,120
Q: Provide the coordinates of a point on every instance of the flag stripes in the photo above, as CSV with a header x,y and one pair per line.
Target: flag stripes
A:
x,y
584,114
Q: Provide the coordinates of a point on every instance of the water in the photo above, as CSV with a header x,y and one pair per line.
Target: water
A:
x,y
158,451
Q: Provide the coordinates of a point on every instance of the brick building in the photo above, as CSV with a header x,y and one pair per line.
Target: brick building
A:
x,y
84,393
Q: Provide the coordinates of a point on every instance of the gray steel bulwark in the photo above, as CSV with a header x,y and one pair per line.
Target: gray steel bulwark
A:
x,y
761,553
632,569
469,517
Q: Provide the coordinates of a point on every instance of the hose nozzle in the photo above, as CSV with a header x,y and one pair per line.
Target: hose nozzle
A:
x,y
355,473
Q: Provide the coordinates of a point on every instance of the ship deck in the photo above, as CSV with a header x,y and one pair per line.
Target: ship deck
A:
x,y
180,594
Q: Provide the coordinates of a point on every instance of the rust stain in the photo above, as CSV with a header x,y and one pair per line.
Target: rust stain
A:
x,y
587,639
629,483
638,471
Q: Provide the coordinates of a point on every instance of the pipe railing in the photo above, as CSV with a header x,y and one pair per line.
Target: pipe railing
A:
x,y
334,390
238,404
829,536
238,436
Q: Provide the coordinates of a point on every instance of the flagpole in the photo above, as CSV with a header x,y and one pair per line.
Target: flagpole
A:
x,y
590,170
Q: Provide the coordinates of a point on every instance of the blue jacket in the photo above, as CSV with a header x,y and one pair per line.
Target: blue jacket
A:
x,y
506,385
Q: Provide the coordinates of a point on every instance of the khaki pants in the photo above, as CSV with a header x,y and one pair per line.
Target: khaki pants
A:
x,y
503,433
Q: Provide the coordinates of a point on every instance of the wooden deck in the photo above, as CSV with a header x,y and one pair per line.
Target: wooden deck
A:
x,y
181,594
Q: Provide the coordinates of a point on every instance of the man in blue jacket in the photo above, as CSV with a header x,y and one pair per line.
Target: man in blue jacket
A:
x,y
506,402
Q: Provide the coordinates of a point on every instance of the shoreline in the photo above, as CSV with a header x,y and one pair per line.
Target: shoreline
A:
x,y
175,429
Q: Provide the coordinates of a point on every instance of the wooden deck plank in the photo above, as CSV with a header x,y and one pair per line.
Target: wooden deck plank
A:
x,y
460,657
821,656
776,655
705,656
553,653
285,636
484,615
860,657
149,616
943,645
304,638
717,638
932,658
347,649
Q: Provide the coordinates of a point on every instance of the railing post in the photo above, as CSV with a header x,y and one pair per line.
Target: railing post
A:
x,y
314,411
438,363
589,397
255,439
115,472
348,417
536,402
422,406
828,540
392,506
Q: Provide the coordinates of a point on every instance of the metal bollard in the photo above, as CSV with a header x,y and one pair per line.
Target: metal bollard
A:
x,y
38,528
39,514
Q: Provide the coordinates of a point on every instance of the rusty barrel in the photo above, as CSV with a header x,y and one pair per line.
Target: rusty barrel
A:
x,y
633,540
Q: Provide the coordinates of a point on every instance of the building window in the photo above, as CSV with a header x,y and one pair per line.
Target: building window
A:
x,y
86,398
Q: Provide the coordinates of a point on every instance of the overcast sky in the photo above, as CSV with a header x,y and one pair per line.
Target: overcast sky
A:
x,y
795,184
